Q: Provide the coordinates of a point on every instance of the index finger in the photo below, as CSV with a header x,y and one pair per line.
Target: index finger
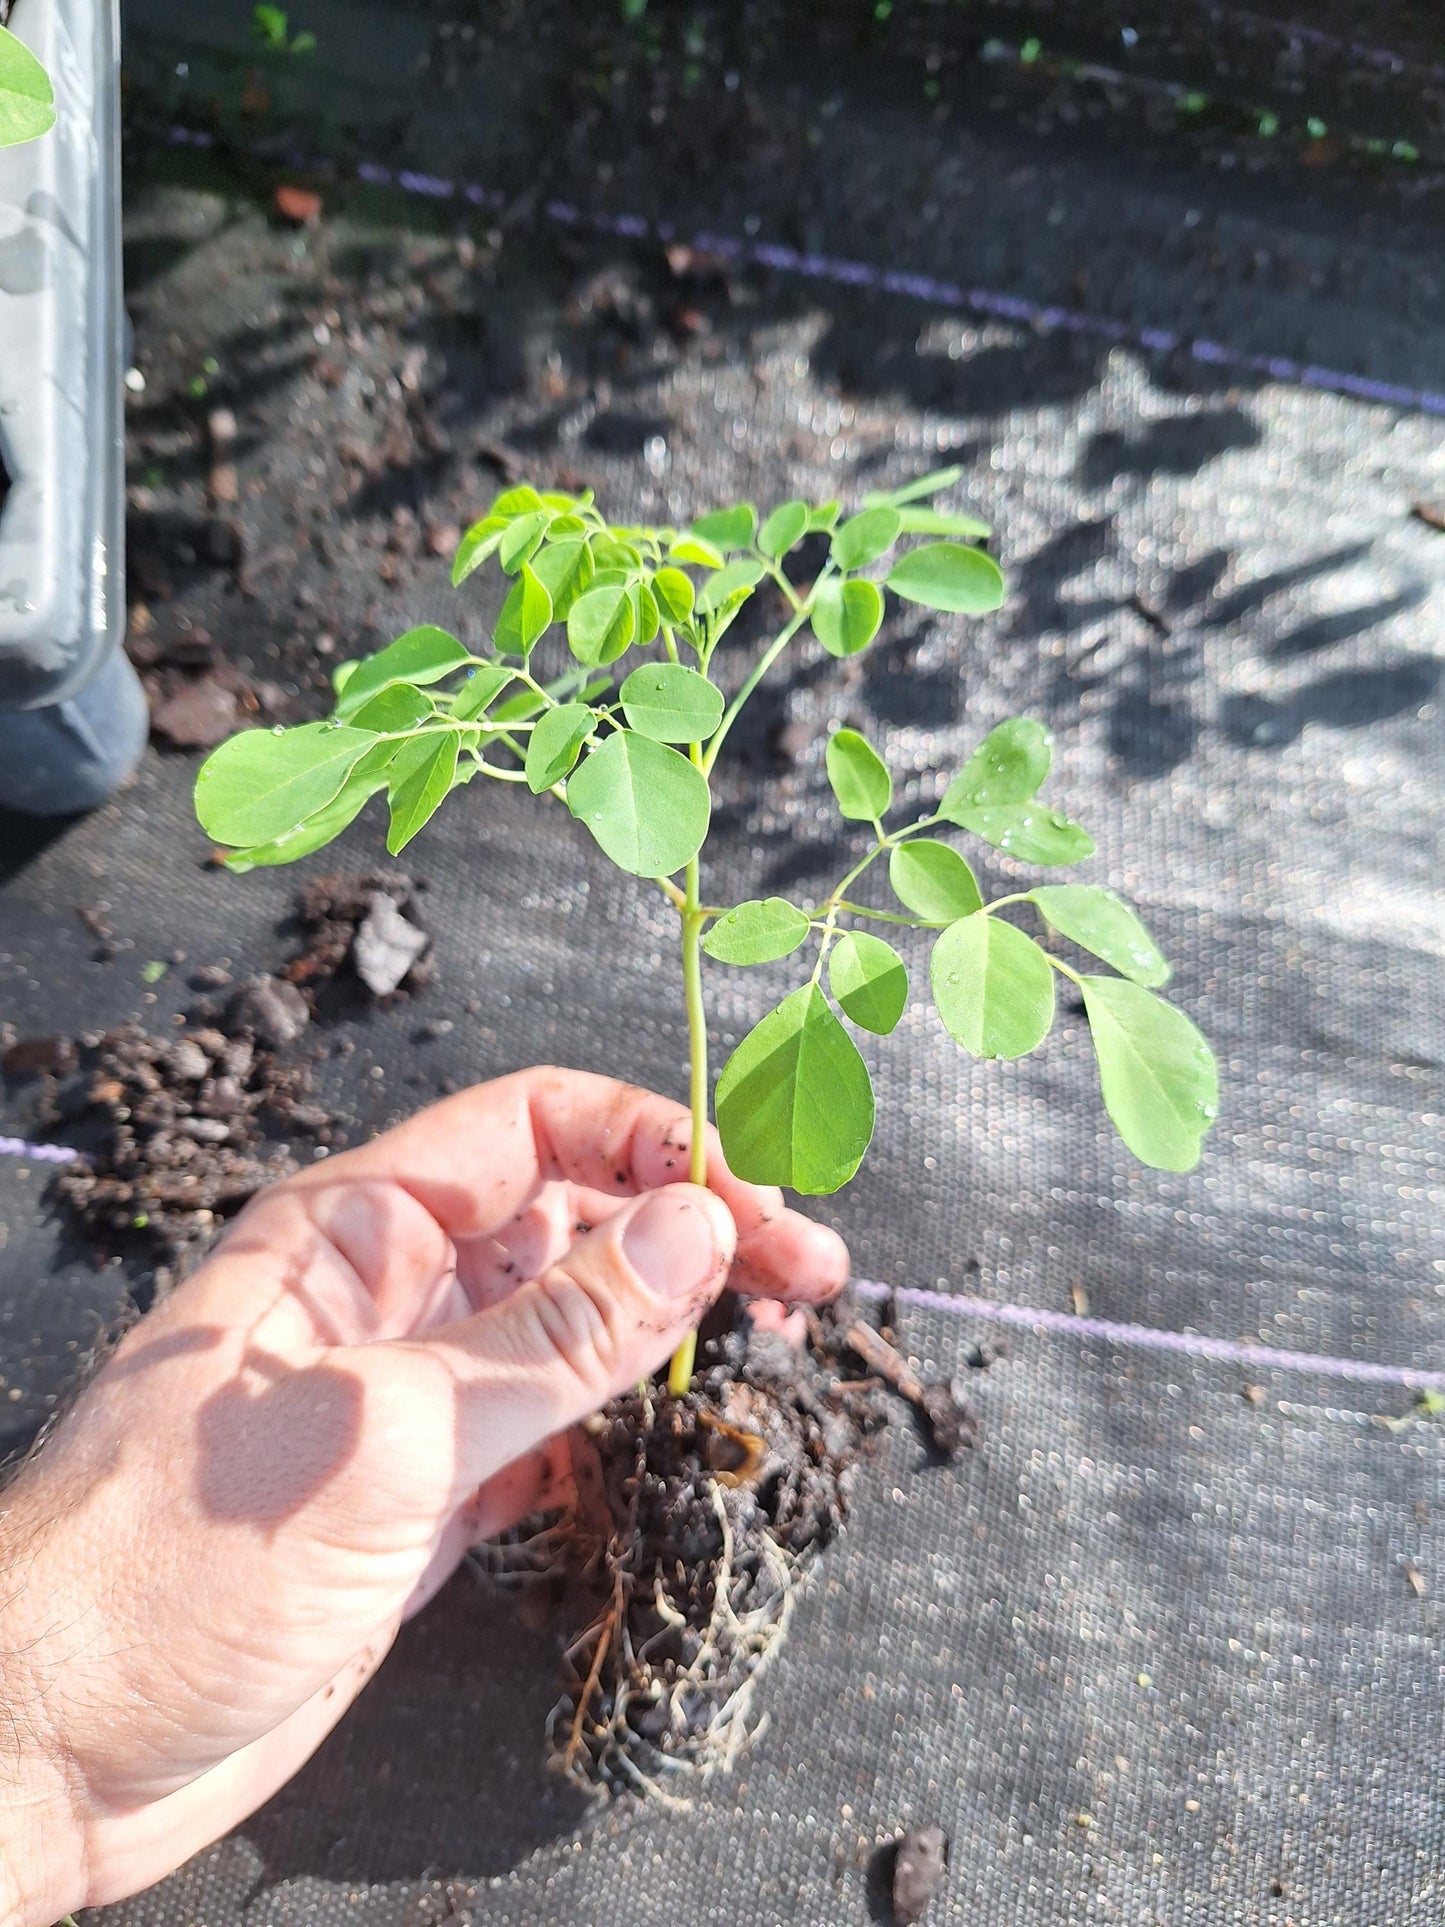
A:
x,y
475,1160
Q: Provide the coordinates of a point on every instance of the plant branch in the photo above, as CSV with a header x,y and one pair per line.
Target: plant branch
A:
x,y
759,669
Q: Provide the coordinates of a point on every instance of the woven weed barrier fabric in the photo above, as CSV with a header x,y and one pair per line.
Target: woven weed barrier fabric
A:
x,y
1166,1646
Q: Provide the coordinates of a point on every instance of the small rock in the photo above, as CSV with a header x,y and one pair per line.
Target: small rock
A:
x,y
298,204
275,1012
919,1864
224,484
186,1061
198,716
204,1130
211,977
386,946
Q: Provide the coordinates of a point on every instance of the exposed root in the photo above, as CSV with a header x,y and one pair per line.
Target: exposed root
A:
x,y
696,1520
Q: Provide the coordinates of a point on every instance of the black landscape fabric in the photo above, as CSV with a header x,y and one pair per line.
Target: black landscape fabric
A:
x,y
1165,1645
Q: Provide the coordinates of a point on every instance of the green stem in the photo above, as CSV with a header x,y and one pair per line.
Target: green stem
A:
x,y
679,1375
759,669
844,908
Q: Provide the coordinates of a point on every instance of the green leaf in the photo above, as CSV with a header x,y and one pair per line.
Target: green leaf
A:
x,y
1029,832
675,594
824,517
671,704
870,981
645,804
482,539
420,777
917,490
933,881
521,500
644,612
993,986
525,615
1156,1071
27,101
846,615
1100,923
325,825
932,522
264,782
341,675
601,625
784,529
859,776
692,548
565,569
400,706
736,579
863,538
757,932
522,540
556,743
480,690
732,528
1008,766
794,1104
948,575
609,551
422,655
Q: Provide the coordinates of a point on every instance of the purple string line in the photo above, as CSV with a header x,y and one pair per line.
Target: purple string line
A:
x,y
1316,37
16,1147
1152,1338
919,287
1143,1337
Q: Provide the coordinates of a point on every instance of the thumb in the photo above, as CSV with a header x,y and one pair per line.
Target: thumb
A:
x,y
604,1316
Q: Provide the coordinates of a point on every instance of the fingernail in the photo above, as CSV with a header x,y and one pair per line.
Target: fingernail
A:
x,y
672,1243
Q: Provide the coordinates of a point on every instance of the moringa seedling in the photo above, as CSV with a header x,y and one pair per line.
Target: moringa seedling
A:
x,y
627,736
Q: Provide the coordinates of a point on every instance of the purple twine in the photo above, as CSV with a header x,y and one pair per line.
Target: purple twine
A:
x,y
16,1147
920,287
1317,37
1152,1338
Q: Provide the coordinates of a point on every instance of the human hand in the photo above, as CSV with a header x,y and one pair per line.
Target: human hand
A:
x,y
212,1554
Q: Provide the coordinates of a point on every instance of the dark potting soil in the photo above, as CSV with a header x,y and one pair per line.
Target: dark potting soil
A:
x,y
181,1131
